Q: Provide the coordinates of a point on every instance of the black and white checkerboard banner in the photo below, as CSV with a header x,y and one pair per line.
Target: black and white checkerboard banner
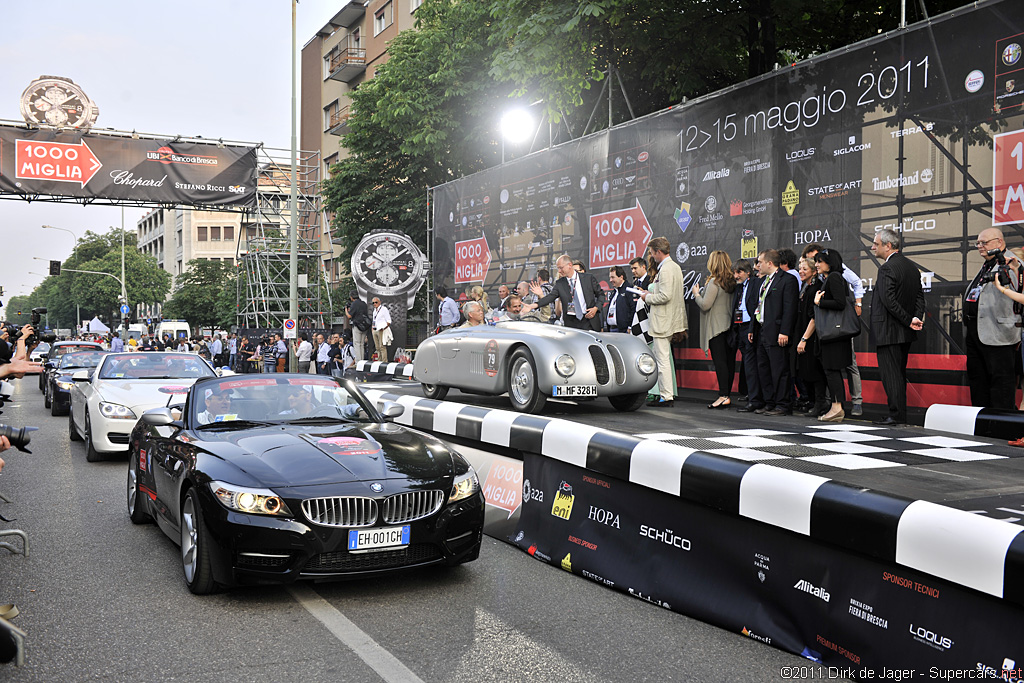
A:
x,y
397,370
971,550
995,424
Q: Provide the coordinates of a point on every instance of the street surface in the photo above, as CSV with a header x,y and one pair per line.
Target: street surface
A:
x,y
104,600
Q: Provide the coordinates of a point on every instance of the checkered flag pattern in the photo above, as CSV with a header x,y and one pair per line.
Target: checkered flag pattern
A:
x,y
396,370
639,326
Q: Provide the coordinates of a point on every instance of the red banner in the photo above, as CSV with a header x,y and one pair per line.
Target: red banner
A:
x,y
617,237
472,259
1008,178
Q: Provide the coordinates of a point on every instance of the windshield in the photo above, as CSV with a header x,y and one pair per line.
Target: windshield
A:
x,y
151,365
279,399
42,348
81,359
58,351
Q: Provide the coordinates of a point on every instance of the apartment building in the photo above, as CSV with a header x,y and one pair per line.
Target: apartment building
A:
x,y
344,53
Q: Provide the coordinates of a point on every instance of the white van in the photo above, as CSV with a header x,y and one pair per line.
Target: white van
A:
x,y
135,331
175,329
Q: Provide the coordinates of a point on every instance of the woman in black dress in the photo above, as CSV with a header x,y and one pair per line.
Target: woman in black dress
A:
x,y
808,359
838,353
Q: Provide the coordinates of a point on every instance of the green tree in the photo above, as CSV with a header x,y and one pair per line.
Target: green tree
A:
x,y
204,295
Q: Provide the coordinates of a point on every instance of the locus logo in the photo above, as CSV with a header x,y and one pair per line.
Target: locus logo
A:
x,y
923,635
807,587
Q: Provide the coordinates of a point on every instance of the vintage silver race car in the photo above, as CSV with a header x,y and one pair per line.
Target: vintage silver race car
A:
x,y
532,361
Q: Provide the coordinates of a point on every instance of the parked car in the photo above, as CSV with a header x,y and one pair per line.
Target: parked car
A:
x,y
532,361
271,479
105,404
57,392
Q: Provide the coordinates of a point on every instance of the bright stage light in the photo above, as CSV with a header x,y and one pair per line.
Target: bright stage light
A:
x,y
517,125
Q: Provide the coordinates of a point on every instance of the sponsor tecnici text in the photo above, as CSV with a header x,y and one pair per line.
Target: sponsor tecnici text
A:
x,y
667,536
807,587
912,585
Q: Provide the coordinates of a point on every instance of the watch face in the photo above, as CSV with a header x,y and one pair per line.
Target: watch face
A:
x,y
57,102
388,264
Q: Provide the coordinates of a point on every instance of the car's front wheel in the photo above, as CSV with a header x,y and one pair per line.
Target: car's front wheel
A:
x,y
195,552
434,391
136,498
627,403
523,391
91,454
72,432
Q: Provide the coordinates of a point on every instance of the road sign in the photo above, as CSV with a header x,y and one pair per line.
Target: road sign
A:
x,y
617,237
125,310
1008,178
289,328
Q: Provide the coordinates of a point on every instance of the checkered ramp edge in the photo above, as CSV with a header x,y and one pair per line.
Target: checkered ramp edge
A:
x,y
973,551
397,370
975,421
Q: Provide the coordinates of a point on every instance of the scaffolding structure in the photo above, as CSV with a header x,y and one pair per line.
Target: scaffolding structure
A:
x,y
263,256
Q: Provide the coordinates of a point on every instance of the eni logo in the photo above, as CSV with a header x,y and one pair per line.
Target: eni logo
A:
x,y
562,507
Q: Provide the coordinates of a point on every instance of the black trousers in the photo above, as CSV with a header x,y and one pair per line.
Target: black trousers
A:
x,y
990,371
593,324
724,358
836,387
749,356
773,375
892,365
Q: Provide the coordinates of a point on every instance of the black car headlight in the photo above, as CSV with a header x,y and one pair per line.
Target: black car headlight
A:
x,y
465,486
250,501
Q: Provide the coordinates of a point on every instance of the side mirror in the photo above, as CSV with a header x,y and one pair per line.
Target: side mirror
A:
x,y
80,376
158,417
390,409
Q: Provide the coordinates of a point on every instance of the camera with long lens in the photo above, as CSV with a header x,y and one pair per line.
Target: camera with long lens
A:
x,y
14,332
18,436
999,270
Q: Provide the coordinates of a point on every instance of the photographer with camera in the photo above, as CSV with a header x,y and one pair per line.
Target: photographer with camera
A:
x,y
990,328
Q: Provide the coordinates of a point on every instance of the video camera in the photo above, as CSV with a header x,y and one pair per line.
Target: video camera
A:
x,y
999,270
14,332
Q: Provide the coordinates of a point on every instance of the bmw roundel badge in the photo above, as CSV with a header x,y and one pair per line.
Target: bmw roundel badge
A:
x,y
376,488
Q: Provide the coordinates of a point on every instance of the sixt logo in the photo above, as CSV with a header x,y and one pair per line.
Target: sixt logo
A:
x,y
807,587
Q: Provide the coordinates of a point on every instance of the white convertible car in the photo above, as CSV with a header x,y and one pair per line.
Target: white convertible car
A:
x,y
106,404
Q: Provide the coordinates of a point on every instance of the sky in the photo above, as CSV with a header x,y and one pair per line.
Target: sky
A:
x,y
210,68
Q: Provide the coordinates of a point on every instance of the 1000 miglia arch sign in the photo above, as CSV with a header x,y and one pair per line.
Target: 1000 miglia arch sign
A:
x,y
920,131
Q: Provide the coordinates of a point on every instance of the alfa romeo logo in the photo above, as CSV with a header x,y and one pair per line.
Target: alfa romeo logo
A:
x,y
1011,54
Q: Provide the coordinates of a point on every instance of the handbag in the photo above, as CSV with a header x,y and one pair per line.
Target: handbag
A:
x,y
832,325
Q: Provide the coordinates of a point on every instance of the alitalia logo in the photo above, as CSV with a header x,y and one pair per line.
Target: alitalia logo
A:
x,y
808,587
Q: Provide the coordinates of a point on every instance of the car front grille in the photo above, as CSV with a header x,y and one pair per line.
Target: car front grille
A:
x,y
341,511
620,367
116,437
600,363
417,553
407,507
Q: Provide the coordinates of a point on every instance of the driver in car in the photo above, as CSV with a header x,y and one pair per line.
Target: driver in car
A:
x,y
218,404
300,403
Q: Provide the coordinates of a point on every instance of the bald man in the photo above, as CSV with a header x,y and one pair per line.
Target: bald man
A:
x,y
989,326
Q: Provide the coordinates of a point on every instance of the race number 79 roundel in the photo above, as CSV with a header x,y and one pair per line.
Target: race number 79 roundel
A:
x,y
491,358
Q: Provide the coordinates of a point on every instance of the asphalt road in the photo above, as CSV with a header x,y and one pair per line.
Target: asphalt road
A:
x,y
104,600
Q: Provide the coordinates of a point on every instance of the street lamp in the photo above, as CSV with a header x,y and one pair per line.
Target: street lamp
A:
x,y
517,125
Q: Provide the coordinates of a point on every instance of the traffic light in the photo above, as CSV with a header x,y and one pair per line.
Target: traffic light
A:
x,y
54,267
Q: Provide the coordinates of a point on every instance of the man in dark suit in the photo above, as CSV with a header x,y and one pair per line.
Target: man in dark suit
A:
x,y
570,288
897,313
641,280
743,305
621,304
775,317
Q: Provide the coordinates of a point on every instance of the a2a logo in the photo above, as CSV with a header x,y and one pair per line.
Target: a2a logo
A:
x,y
530,493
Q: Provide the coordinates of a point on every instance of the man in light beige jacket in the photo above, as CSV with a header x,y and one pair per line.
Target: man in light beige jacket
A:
x,y
667,315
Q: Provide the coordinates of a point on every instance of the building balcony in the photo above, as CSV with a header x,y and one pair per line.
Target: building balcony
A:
x,y
338,124
350,12
348,64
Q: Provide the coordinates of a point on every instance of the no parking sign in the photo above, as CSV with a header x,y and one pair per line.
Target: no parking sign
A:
x,y
289,328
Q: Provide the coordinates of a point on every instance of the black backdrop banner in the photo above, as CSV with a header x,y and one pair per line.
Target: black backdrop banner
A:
x,y
860,617
914,130
44,163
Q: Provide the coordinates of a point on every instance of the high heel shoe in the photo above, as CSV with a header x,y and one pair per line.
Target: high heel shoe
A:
x,y
833,417
727,403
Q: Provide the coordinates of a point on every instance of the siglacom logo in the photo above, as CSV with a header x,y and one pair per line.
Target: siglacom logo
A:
x,y
807,587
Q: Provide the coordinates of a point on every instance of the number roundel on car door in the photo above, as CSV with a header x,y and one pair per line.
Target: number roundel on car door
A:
x,y
491,358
